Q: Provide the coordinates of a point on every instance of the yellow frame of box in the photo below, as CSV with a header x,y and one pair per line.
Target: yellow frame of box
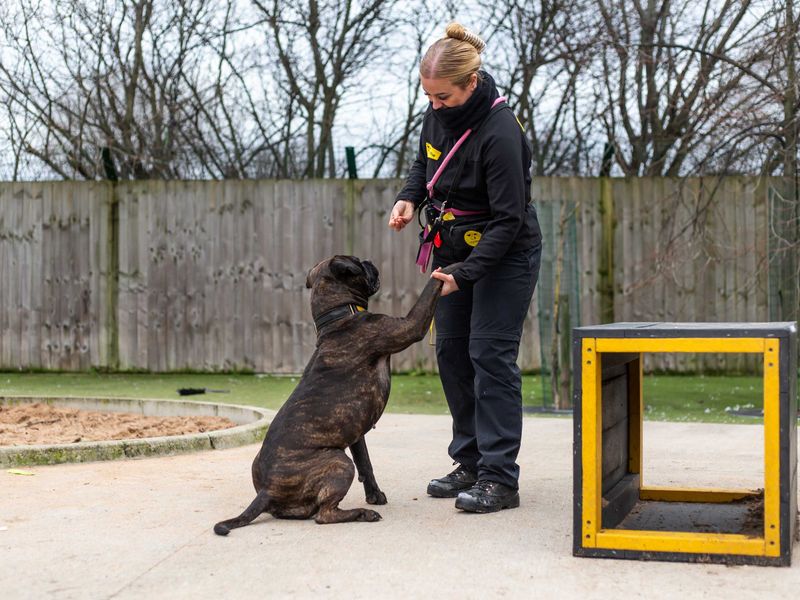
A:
x,y
594,536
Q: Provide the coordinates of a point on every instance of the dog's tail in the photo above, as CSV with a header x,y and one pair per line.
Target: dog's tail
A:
x,y
256,507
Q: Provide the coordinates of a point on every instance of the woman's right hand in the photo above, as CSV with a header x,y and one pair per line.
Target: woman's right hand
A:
x,y
402,213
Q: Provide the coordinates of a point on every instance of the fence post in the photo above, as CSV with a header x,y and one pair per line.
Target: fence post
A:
x,y
606,267
606,262
350,155
112,278
350,215
350,199
112,273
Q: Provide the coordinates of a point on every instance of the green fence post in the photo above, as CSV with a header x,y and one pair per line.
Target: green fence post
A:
x,y
350,199
606,269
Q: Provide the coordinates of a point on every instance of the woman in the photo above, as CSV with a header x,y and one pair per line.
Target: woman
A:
x,y
480,212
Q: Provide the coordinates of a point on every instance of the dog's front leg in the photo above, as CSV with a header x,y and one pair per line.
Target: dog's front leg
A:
x,y
365,473
398,333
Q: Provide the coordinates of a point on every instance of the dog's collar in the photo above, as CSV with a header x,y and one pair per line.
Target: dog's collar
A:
x,y
335,314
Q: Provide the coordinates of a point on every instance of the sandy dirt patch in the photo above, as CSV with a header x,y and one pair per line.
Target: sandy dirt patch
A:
x,y
40,423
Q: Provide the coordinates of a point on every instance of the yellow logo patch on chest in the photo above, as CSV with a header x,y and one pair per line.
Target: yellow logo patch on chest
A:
x,y
432,152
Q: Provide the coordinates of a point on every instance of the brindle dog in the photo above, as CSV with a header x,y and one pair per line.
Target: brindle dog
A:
x,y
302,470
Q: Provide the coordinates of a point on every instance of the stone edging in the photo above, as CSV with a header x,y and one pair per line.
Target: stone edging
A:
x,y
251,425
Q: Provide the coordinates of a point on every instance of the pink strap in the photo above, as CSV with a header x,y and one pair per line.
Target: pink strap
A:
x,y
457,212
450,154
446,160
426,249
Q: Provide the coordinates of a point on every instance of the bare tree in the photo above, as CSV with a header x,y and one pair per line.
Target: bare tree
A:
x,y
671,74
760,134
540,50
395,132
321,47
257,88
785,208
130,77
16,130
707,89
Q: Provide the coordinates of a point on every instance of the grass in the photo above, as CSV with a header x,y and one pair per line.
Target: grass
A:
x,y
710,398
257,390
667,397
410,394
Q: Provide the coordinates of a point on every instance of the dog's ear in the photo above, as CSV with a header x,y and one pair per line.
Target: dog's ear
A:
x,y
345,266
373,278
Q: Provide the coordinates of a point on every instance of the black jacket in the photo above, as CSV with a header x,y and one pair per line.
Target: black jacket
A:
x,y
490,172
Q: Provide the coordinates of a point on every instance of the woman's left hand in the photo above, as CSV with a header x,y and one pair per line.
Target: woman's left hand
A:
x,y
450,284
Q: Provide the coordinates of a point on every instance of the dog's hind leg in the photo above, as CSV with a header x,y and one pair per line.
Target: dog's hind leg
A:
x,y
365,472
257,506
339,473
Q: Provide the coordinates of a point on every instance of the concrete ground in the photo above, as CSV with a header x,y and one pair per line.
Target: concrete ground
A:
x,y
143,528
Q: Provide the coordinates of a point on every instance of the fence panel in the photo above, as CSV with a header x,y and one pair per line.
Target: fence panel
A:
x,y
53,273
210,275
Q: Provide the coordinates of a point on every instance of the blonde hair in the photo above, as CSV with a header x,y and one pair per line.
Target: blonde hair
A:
x,y
455,57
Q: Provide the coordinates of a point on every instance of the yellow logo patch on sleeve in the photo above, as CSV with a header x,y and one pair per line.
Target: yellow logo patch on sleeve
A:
x,y
433,153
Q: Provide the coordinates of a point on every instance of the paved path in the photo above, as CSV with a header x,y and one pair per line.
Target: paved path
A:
x,y
142,528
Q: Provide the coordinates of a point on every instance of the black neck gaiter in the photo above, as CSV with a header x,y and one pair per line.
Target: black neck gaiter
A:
x,y
458,119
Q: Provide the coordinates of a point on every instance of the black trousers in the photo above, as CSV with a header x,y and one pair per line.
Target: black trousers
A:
x,y
477,343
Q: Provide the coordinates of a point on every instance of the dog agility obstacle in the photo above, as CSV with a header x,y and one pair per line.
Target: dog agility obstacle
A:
x,y
615,514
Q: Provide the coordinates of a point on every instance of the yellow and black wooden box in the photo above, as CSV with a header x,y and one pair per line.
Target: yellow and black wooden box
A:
x,y
615,514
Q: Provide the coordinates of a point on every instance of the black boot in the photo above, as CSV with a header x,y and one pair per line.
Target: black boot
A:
x,y
487,496
450,485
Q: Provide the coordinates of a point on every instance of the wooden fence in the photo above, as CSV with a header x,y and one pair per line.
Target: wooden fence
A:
x,y
693,250
211,275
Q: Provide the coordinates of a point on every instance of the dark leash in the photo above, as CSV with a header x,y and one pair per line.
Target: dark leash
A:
x,y
196,391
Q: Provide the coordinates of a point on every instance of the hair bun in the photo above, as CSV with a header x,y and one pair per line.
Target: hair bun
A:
x,y
459,32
